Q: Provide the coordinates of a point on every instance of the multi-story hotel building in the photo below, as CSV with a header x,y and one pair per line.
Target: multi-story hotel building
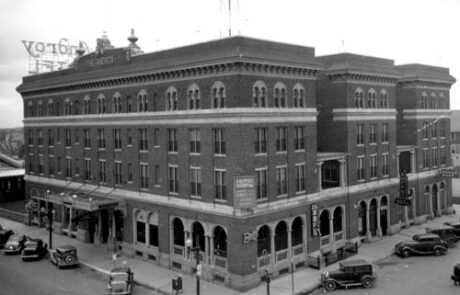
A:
x,y
260,153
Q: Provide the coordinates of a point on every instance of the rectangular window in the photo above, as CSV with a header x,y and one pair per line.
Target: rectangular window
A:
x,y
373,166
118,175
331,172
219,142
68,140
59,165
102,171
220,189
425,129
426,159
130,172
442,129
59,135
359,134
281,139
50,137
68,167
129,138
172,140
434,130
173,181
101,138
261,181
143,142
140,226
385,165
157,175
434,157
87,169
117,139
360,168
51,165
31,163
77,136
144,176
300,178
194,138
385,132
153,235
40,137
77,167
30,137
41,164
443,155
261,141
87,138
299,138
281,181
156,137
195,181
373,133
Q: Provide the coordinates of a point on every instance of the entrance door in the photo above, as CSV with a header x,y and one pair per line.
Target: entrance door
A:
x,y
104,226
434,199
383,221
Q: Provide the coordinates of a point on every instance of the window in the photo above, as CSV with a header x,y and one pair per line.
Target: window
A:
x,y
31,163
41,164
373,166
87,138
372,99
142,103
86,105
259,95
116,103
30,137
50,108
59,135
218,95
51,165
171,99
331,172
434,157
102,171
373,134
385,165
77,137
260,143
281,139
281,180
172,140
359,98
87,169
140,232
384,99
424,101
129,138
143,142
156,134
360,134
118,175
220,189
433,101
425,129
40,110
101,138
58,109
219,142
426,159
279,95
40,137
130,172
59,165
67,138
157,175
129,107
299,96
442,151
434,130
153,235
77,167
442,128
144,176
68,167
299,138
67,107
360,168
117,139
194,137
30,109
300,178
101,104
173,181
193,96
385,132
261,182
195,181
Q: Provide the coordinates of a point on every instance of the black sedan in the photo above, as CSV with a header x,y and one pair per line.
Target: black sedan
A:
x,y
34,249
15,244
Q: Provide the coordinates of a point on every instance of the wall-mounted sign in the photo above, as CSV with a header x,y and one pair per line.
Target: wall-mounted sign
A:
x,y
447,172
244,192
247,237
314,221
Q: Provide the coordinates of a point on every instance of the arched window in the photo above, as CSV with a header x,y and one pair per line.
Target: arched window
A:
x,y
193,97
50,108
372,99
338,213
359,98
153,230
281,236
67,107
384,99
171,99
218,95
433,101
297,232
40,110
263,241
442,101
76,107
324,223
279,95
86,105
259,95
220,242
140,227
299,96
30,109
178,229
198,237
116,103
101,104
424,103
142,104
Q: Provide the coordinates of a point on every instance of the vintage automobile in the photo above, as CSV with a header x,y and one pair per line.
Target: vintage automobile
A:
x,y
421,244
120,281
456,226
456,276
445,232
4,236
356,272
34,249
15,244
64,256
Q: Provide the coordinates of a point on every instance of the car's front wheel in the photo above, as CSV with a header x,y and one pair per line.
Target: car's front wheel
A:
x,y
405,253
437,252
367,282
330,286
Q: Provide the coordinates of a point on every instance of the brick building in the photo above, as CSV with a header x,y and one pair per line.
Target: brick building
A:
x,y
260,153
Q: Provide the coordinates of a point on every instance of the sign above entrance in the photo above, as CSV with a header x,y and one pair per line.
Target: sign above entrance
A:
x,y
448,172
403,201
244,192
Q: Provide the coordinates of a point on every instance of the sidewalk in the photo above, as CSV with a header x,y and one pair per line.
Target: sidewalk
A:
x,y
159,279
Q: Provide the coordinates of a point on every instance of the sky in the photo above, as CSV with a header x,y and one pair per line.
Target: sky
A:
x,y
406,31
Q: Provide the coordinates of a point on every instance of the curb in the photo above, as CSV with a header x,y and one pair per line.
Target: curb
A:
x,y
309,289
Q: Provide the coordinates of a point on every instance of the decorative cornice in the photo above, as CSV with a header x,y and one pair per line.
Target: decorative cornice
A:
x,y
425,83
363,114
362,78
426,114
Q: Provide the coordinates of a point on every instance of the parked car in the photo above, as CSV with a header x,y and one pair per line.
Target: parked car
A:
x,y
4,236
34,249
120,281
445,232
456,226
456,276
15,244
64,256
356,272
421,244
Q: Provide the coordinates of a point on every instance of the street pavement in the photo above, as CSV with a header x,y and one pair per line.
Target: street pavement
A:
x,y
159,279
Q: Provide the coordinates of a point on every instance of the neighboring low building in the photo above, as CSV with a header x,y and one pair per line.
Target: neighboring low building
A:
x,y
11,179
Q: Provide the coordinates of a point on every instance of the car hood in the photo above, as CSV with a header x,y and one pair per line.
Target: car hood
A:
x,y
32,247
13,243
119,285
335,272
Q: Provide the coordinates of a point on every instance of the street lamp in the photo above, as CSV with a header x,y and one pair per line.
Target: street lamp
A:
x,y
196,251
50,222
267,276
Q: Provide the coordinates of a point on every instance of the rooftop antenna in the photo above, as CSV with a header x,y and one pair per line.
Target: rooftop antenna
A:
x,y
342,46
